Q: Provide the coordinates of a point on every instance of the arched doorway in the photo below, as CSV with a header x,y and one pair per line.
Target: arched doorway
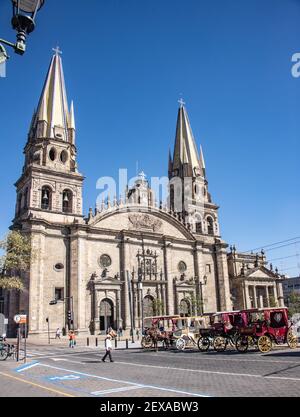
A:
x,y
106,314
184,308
148,306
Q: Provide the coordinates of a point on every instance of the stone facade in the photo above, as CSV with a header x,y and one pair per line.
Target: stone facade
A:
x,y
127,259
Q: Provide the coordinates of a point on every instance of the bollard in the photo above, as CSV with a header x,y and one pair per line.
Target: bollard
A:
x,y
88,341
116,343
126,343
96,341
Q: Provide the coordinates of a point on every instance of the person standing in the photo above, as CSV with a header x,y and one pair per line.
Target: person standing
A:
x,y
108,348
72,341
57,334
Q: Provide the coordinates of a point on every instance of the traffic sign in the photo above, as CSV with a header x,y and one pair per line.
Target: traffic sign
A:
x,y
20,318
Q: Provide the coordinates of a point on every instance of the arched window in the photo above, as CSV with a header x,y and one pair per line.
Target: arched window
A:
x,y
148,306
46,201
185,308
67,202
210,226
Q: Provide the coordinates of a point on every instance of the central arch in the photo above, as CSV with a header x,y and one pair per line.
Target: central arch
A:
x,y
106,314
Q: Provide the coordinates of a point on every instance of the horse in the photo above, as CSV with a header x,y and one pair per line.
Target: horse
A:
x,y
159,336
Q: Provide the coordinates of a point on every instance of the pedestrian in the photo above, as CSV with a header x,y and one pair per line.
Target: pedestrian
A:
x,y
72,341
121,331
108,348
57,334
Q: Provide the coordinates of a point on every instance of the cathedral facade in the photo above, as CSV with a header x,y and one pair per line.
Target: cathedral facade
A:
x,y
129,258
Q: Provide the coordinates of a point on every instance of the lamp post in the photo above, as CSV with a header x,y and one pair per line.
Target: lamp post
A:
x,y
140,287
201,292
23,22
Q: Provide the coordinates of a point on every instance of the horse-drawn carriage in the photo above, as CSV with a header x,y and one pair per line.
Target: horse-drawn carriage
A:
x,y
188,330
158,329
223,330
265,326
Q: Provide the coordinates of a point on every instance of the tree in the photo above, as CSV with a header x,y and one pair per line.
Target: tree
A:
x,y
16,260
294,303
196,303
158,306
272,301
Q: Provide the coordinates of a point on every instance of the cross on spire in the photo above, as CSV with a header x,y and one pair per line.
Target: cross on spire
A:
x,y
57,51
181,102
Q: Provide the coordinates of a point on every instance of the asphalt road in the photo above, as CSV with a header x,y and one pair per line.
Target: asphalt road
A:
x,y
79,372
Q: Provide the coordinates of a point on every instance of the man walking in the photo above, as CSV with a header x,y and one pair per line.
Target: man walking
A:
x,y
108,348
57,334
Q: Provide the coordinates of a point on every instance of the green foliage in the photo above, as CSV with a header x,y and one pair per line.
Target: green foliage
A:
x,y
158,307
272,301
196,303
15,261
294,303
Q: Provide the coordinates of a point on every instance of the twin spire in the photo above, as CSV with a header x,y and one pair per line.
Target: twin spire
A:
x,y
186,160
52,118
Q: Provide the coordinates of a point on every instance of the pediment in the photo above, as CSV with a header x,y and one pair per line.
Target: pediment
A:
x,y
261,273
141,220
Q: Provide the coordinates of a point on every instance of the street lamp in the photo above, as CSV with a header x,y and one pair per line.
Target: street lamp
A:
x,y
23,22
140,287
201,292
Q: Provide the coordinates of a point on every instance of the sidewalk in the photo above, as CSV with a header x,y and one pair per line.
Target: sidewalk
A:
x,y
81,341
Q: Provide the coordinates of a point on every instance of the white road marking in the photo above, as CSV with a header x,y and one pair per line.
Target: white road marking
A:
x,y
126,382
24,368
109,391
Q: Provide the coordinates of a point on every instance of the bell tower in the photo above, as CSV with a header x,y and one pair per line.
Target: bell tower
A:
x,y
189,196
50,185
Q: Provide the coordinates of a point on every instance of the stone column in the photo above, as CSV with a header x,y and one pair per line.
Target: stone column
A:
x,y
247,296
124,265
224,302
267,296
280,293
170,289
254,296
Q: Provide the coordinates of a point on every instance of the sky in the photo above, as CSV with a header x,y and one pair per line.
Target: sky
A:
x,y
126,65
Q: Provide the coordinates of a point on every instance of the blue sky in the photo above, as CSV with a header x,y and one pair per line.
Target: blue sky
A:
x,y
126,64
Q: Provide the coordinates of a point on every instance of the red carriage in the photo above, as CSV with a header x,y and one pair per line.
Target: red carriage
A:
x,y
265,326
223,330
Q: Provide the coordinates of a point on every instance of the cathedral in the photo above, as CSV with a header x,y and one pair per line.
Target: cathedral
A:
x,y
131,257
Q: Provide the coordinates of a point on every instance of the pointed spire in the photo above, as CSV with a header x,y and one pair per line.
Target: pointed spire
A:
x,y
202,162
71,119
186,158
53,106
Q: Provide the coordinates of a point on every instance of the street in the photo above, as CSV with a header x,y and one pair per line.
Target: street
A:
x,y
57,371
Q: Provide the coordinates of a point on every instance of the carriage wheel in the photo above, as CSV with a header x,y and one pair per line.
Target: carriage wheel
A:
x,y
180,344
264,344
203,344
220,343
242,344
292,339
